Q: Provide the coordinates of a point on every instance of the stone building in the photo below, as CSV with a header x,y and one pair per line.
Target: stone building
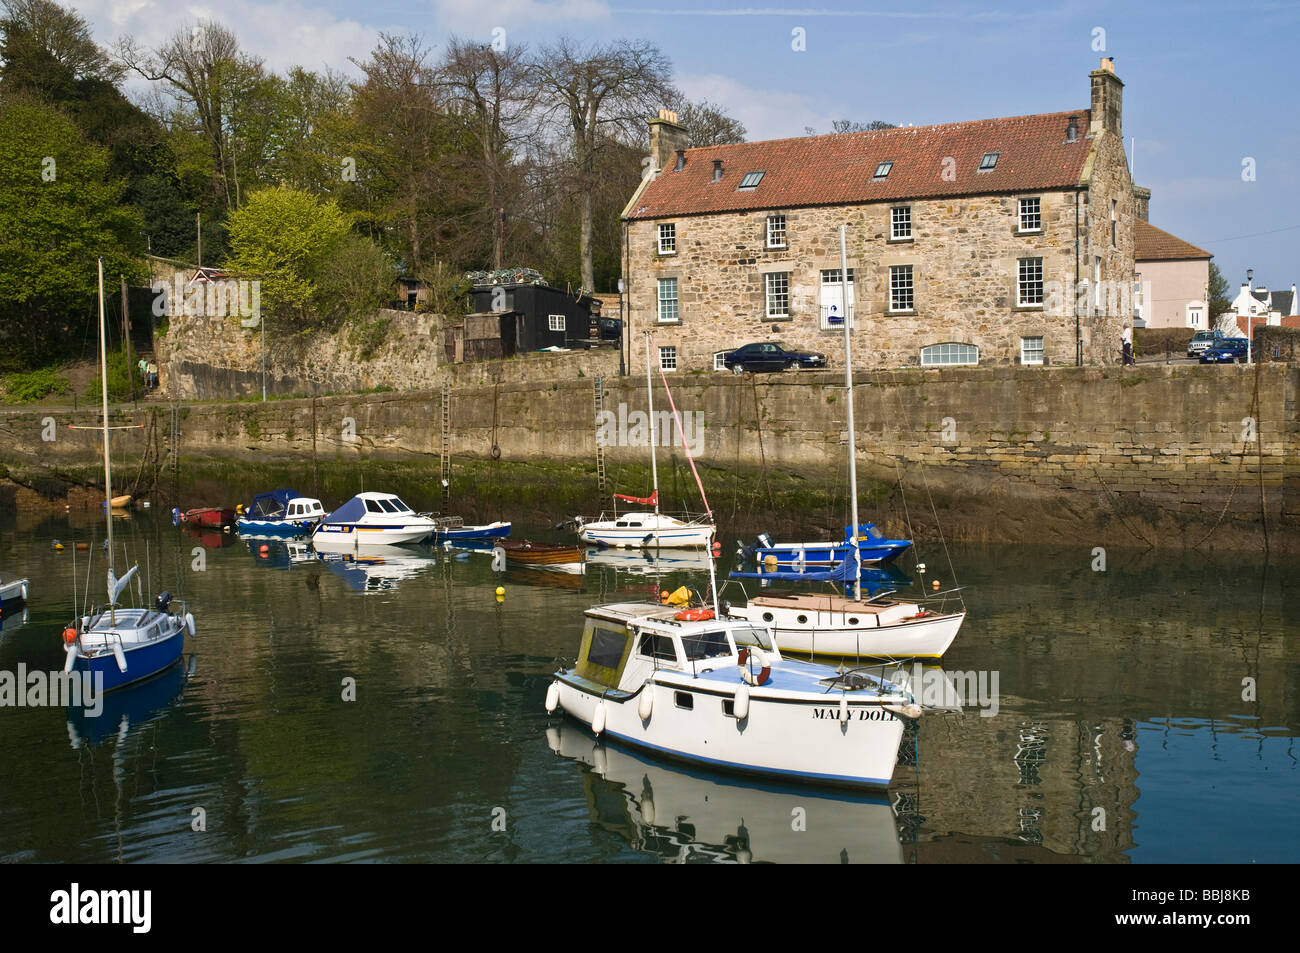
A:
x,y
997,241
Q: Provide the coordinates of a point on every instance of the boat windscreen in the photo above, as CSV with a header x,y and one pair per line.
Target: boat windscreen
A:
x,y
752,636
705,645
389,506
401,507
604,651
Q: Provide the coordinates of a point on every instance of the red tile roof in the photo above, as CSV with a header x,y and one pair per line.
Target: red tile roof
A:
x,y
1153,244
839,169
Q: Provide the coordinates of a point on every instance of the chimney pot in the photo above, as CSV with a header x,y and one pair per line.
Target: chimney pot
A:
x,y
717,170
1108,64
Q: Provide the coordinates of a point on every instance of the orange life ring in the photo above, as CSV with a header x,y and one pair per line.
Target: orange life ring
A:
x,y
69,635
765,670
694,615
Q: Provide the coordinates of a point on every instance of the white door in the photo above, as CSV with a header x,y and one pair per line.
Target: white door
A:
x,y
831,303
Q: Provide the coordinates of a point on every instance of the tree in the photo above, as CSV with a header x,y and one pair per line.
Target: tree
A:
x,y
707,125
601,95
492,89
285,238
60,209
209,77
839,126
40,33
1217,292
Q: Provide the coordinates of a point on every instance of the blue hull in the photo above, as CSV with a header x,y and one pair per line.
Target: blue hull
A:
x,y
138,703
281,529
474,532
833,553
142,661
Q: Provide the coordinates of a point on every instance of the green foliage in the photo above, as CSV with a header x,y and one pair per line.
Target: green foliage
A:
x,y
286,238
1158,341
1220,302
23,388
122,374
59,210
356,280
367,335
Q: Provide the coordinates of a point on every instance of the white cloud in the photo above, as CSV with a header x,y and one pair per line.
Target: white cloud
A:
x,y
479,17
283,33
765,113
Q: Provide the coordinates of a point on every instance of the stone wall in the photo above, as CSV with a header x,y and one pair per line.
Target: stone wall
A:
x,y
215,358
1168,438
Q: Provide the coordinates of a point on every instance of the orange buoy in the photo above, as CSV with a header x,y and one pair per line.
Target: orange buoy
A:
x,y
264,548
694,615
663,596
69,635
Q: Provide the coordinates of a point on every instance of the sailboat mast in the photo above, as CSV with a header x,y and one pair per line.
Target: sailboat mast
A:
x,y
108,475
650,400
853,450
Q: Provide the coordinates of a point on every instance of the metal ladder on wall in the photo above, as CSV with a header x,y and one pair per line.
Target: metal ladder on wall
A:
x,y
445,468
600,449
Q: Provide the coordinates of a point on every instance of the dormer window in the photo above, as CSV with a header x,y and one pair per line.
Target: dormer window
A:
x,y
751,180
882,170
989,161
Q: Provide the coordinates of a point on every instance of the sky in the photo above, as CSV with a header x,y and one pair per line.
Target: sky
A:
x,y
1210,96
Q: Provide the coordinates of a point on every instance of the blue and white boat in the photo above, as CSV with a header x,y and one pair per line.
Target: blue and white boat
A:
x,y
717,691
872,545
13,593
118,646
371,519
280,513
453,529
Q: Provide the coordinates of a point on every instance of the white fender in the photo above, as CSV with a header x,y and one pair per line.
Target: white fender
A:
x,y
24,590
552,697
598,718
844,708
120,656
189,623
646,703
740,707
71,660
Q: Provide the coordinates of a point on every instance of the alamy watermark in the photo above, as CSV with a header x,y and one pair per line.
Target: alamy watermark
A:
x,y
624,428
937,688
39,689
215,298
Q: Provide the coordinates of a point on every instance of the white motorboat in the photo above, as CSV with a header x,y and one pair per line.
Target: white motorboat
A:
x,y
688,816
716,691
370,519
13,592
849,626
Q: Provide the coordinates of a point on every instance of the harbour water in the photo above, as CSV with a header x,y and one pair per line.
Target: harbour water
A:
x,y
392,711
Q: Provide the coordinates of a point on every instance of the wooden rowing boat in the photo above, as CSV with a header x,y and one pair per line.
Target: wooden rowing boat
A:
x,y
526,553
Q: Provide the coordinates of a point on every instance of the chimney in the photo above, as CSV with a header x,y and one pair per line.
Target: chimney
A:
x,y
1107,99
1072,130
666,137
1142,203
1295,305
681,160
717,170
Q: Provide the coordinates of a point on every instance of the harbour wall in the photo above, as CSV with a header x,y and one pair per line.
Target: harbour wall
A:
x,y
1154,456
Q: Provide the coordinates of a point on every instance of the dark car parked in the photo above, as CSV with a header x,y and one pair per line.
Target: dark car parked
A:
x,y
770,356
1227,351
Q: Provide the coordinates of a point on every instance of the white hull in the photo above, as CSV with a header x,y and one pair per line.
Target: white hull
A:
x,y
347,538
648,530
799,739
851,633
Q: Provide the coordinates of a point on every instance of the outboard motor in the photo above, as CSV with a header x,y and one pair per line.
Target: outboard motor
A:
x,y
163,602
764,541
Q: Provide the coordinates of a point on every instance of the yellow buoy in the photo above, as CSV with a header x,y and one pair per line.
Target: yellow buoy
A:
x,y
501,590
935,584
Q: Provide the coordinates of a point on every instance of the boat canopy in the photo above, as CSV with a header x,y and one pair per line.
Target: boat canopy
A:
x,y
350,512
603,654
271,506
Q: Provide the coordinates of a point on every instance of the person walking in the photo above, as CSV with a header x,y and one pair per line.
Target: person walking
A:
x,y
1126,345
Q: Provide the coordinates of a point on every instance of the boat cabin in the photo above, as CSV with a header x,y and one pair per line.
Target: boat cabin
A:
x,y
286,504
368,505
304,508
623,644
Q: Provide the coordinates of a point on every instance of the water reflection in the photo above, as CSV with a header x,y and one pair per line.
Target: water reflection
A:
x,y
685,815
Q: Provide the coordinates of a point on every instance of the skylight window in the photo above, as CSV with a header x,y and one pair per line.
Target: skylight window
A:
x,y
751,180
989,161
882,170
